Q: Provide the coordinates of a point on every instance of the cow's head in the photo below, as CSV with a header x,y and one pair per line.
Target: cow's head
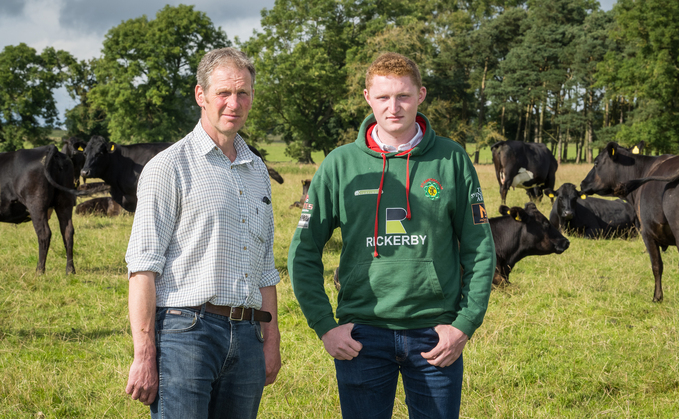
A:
x,y
74,148
611,167
96,156
565,199
537,235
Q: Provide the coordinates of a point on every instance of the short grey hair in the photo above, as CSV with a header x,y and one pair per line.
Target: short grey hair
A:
x,y
223,57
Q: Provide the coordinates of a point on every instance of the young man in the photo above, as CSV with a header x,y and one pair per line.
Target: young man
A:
x,y
202,274
411,213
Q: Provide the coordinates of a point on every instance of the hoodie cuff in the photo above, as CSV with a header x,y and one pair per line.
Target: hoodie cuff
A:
x,y
464,325
325,324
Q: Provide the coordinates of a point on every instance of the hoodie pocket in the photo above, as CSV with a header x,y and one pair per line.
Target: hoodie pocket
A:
x,y
391,289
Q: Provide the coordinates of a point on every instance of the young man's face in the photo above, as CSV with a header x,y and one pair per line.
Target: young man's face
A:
x,y
394,101
226,103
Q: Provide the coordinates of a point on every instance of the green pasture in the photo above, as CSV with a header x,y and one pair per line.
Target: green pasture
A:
x,y
573,336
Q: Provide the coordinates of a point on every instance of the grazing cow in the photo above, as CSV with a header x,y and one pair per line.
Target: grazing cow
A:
x,y
74,148
99,206
305,191
522,232
32,182
523,165
119,166
591,217
655,203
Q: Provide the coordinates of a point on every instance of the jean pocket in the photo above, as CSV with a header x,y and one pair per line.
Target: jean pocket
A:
x,y
258,332
174,320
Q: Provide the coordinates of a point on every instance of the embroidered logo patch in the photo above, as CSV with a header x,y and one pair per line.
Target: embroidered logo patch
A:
x,y
479,213
478,195
432,189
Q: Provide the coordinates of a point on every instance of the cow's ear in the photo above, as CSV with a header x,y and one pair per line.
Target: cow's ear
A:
x,y
518,214
112,148
549,192
504,210
612,149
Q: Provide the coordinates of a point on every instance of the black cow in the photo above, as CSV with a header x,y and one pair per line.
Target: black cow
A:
x,y
120,166
74,148
32,182
522,232
523,165
655,203
594,218
99,206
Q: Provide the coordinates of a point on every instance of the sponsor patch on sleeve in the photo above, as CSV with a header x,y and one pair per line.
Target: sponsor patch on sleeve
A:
x,y
479,213
306,214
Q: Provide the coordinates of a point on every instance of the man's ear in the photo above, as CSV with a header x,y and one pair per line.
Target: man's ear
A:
x,y
366,95
200,96
422,94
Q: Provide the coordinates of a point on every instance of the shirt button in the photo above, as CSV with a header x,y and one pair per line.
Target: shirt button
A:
x,y
243,219
241,192
246,275
245,248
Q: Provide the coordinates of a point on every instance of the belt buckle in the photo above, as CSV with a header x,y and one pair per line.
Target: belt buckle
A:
x,y
242,313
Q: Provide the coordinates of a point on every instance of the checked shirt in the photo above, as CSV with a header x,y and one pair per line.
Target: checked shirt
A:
x,y
205,225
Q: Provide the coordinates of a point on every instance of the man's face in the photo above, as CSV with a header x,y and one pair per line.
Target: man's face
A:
x,y
226,103
394,101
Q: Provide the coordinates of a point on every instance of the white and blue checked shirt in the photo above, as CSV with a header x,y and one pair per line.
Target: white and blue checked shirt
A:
x,y
205,225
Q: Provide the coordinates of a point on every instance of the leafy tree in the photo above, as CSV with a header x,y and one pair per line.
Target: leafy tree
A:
x,y
146,76
301,57
645,71
83,120
27,106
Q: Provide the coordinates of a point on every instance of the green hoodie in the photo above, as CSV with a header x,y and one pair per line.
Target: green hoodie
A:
x,y
403,271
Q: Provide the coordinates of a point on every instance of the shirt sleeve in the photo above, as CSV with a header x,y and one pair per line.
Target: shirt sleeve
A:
x,y
158,203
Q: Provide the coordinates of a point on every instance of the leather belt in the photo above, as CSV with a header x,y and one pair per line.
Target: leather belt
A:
x,y
236,313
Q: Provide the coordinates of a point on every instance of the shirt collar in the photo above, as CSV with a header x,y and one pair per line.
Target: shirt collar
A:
x,y
205,145
403,147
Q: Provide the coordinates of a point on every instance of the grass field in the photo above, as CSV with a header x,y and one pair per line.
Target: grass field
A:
x,y
574,336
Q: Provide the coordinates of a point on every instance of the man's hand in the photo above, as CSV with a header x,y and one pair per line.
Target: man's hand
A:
x,y
142,383
450,346
339,343
272,356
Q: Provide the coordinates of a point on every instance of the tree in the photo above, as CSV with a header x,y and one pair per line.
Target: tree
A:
x,y
146,76
27,106
83,120
645,72
301,58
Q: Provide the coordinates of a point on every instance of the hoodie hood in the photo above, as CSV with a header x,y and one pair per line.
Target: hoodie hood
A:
x,y
368,124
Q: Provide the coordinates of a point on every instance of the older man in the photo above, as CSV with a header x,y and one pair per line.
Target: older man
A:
x,y
202,297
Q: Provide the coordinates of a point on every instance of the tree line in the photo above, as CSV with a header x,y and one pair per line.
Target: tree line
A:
x,y
550,71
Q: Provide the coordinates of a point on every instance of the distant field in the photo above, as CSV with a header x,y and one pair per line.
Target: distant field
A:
x,y
574,336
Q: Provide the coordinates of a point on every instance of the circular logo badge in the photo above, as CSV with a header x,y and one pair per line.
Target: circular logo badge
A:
x,y
432,190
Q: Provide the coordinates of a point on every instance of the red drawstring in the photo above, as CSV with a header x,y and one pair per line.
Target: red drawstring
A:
x,y
408,186
377,211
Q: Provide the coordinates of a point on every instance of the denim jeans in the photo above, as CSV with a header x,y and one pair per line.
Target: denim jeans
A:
x,y
208,366
367,383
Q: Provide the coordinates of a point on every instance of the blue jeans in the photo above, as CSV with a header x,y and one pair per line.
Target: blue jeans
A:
x,y
208,366
367,383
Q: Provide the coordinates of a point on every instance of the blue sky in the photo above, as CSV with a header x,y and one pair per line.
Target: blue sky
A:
x,y
79,26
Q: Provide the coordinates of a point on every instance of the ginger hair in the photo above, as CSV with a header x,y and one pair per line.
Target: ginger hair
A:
x,y
393,64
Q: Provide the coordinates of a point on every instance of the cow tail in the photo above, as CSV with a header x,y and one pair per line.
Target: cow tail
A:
x,y
50,155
